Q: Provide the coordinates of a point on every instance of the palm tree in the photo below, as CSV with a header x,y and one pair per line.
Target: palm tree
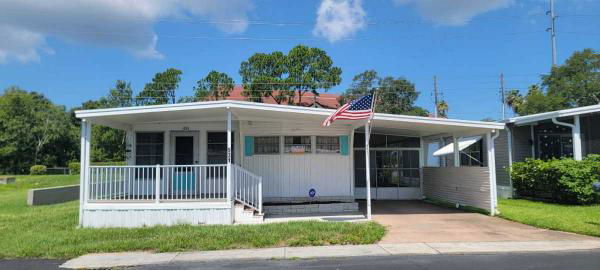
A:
x,y
442,108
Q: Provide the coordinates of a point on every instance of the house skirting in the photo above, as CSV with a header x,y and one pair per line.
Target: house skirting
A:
x,y
136,215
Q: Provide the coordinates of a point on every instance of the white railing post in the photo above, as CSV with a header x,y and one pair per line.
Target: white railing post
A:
x,y
157,184
260,195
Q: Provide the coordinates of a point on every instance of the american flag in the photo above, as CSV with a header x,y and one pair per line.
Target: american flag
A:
x,y
357,109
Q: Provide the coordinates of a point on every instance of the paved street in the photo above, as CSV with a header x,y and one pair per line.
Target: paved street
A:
x,y
547,261
30,264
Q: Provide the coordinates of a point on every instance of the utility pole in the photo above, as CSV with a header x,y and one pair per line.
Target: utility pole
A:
x,y
503,96
552,30
435,96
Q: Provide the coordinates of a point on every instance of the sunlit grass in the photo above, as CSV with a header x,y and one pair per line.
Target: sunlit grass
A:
x,y
51,231
570,218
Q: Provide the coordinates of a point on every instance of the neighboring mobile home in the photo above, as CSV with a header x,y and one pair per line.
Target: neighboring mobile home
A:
x,y
224,162
572,133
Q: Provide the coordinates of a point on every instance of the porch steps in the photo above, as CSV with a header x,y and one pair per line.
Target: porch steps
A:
x,y
244,215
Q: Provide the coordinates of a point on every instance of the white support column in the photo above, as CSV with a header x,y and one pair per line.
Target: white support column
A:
x,y
456,151
368,170
229,197
576,131
510,160
491,151
576,135
422,154
532,141
85,137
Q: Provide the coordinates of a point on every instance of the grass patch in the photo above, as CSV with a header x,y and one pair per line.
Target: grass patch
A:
x,y
582,219
51,231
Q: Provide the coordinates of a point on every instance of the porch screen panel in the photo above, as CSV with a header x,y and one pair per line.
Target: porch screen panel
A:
x,y
217,148
149,148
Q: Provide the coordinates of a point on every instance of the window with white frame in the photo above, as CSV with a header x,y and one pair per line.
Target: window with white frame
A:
x,y
297,144
266,145
328,144
149,148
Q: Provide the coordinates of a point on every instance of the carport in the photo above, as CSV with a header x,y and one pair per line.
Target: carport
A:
x,y
456,160
415,221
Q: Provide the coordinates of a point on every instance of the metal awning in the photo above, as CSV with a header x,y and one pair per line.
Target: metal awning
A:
x,y
462,144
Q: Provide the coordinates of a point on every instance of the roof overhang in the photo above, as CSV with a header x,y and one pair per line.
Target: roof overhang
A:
x,y
251,111
528,119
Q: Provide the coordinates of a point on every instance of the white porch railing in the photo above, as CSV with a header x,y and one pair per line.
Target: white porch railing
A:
x,y
247,187
157,183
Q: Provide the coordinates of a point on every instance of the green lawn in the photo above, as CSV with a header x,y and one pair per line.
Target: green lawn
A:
x,y
51,231
570,218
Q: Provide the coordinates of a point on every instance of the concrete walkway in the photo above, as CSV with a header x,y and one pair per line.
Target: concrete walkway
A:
x,y
418,221
110,260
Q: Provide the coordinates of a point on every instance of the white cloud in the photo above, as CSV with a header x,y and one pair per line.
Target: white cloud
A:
x,y
122,24
339,19
454,12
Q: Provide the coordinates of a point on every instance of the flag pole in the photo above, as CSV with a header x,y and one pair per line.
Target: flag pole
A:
x,y
368,154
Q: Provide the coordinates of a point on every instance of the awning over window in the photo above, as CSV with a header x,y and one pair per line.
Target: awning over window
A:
x,y
462,144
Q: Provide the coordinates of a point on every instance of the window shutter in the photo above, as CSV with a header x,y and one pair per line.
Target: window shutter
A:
x,y
248,146
344,145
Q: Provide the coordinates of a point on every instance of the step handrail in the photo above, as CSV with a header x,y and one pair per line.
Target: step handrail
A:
x,y
247,188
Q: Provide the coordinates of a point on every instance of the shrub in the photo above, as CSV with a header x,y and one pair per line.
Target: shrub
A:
x,y
37,170
74,167
559,180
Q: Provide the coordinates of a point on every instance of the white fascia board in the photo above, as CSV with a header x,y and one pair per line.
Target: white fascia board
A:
x,y
199,106
439,121
277,108
521,120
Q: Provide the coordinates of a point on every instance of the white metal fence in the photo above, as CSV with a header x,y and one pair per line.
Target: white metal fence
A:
x,y
247,187
157,183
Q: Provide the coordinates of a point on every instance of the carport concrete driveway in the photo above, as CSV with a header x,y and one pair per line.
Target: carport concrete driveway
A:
x,y
418,221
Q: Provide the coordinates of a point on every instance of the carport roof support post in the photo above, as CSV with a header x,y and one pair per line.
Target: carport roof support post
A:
x,y
491,151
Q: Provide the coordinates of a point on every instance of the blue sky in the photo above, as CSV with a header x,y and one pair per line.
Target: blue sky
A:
x,y
74,50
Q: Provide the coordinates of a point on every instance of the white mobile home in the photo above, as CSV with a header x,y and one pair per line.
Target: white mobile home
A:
x,y
195,162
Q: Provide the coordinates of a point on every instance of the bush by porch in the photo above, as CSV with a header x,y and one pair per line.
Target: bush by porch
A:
x,y
50,231
558,180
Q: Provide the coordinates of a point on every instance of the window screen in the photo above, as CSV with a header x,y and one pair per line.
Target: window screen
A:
x,y
149,148
217,147
266,145
297,144
328,144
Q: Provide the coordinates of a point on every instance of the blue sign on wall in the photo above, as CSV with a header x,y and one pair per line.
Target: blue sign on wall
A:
x,y
312,192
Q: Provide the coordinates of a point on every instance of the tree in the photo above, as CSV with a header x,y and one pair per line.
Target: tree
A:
x,y
162,88
577,81
108,144
31,128
536,101
395,95
215,85
264,75
119,96
311,69
281,76
442,108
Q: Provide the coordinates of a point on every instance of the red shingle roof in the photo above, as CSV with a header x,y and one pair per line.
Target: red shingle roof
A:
x,y
324,100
